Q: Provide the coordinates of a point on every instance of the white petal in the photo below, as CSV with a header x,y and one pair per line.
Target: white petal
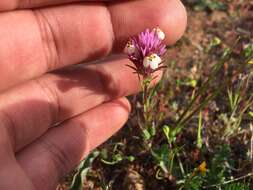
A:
x,y
159,33
152,61
146,62
154,65
129,49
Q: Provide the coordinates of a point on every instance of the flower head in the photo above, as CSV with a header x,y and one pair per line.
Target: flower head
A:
x,y
146,51
202,168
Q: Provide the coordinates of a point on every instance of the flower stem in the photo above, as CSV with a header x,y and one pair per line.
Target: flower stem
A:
x,y
147,118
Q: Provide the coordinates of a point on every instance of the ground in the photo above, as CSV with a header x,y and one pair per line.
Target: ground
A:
x,y
202,110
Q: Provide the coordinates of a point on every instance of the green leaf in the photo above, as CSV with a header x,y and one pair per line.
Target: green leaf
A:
x,y
237,186
193,182
130,158
166,131
84,167
248,51
171,133
218,168
199,137
146,134
215,42
152,130
116,158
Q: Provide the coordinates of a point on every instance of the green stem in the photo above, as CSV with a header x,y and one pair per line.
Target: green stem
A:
x,y
146,111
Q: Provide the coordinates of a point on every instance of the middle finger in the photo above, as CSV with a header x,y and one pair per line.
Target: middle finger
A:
x,y
31,109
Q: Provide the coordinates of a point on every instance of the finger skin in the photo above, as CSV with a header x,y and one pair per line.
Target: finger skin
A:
x,y
13,177
55,37
58,151
24,4
30,110
10,170
169,15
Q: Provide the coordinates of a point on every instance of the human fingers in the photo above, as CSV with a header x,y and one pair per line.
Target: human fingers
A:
x,y
31,109
65,35
53,155
24,4
10,170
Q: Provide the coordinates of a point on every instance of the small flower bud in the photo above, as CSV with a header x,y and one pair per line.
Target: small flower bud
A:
x,y
130,48
152,61
160,34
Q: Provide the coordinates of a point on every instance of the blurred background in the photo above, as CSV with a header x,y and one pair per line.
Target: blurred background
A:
x,y
202,110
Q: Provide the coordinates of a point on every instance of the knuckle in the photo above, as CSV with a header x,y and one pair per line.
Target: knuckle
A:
x,y
106,40
24,3
58,156
7,130
52,98
49,39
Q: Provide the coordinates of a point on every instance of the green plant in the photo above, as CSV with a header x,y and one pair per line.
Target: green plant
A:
x,y
220,164
116,155
237,186
209,5
82,171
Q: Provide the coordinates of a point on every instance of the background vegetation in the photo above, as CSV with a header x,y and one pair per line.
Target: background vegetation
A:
x,y
201,134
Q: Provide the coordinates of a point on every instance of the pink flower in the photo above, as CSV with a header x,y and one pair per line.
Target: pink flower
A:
x,y
146,51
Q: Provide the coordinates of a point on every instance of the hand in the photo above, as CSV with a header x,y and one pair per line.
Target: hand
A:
x,y
41,90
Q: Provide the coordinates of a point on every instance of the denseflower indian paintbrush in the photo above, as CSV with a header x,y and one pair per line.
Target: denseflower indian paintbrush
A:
x,y
146,51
